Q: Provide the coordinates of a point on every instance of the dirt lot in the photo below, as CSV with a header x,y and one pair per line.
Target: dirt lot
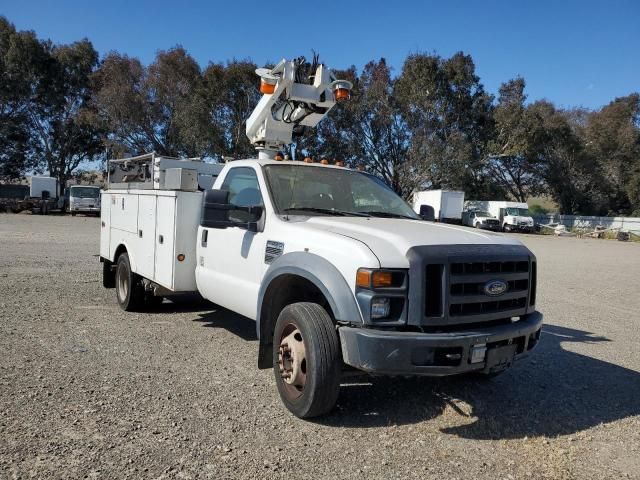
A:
x,y
89,391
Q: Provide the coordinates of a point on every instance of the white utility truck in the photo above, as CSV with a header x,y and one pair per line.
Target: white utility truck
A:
x,y
337,271
480,219
513,216
447,204
84,199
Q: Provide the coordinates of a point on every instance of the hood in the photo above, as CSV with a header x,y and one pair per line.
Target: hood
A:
x,y
390,238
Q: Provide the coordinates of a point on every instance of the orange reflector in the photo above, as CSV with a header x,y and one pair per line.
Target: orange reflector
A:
x,y
341,94
324,161
308,160
278,158
181,257
339,163
363,278
267,88
381,279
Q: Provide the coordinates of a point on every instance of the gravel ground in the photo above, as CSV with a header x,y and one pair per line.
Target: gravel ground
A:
x,y
87,390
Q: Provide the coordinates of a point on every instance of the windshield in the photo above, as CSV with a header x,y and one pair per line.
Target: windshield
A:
x,y
518,212
84,192
308,190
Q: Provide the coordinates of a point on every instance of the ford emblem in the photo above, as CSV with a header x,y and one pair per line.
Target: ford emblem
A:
x,y
493,288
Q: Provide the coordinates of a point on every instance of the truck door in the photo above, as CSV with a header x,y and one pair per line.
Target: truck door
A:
x,y
231,260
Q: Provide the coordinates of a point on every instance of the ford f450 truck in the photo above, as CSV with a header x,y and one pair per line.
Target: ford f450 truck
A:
x,y
337,270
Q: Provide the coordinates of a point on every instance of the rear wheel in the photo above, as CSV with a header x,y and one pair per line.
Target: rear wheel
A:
x,y
129,290
306,359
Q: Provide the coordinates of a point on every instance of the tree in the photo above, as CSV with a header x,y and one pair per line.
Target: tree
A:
x,y
21,61
514,150
449,116
151,109
612,135
63,138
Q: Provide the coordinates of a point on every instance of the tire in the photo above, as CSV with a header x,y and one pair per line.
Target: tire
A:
x,y
313,383
129,291
73,214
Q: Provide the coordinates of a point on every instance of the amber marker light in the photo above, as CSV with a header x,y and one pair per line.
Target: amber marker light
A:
x,y
324,161
181,257
381,279
341,90
363,278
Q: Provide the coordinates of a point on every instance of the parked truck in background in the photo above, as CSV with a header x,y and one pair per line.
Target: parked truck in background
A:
x,y
337,271
84,199
447,204
513,216
43,197
481,219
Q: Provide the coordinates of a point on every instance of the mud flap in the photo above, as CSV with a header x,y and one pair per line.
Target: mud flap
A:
x,y
499,358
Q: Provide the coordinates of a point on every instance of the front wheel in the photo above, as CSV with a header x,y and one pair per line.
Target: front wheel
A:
x,y
306,359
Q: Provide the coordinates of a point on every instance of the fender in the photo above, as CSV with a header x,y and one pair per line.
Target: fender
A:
x,y
132,261
317,270
322,274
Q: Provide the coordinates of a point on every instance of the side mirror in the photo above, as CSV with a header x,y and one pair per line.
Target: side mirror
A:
x,y
215,209
427,213
217,212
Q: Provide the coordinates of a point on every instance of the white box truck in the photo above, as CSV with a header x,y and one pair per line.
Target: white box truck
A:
x,y
513,216
447,204
337,271
84,199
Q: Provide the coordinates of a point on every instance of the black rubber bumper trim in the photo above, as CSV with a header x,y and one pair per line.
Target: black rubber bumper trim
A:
x,y
390,352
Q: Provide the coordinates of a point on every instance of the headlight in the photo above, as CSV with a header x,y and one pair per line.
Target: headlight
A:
x,y
380,307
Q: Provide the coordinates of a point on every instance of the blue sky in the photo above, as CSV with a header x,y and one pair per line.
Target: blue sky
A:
x,y
574,53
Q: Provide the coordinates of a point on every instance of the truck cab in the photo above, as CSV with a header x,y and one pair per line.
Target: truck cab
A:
x,y
480,219
84,199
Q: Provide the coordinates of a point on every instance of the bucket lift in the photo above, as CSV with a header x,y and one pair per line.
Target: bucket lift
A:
x,y
296,95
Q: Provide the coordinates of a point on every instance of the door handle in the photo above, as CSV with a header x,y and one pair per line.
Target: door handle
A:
x,y
205,237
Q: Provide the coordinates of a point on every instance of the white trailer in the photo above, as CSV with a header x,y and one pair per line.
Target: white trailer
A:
x,y
44,187
447,204
513,216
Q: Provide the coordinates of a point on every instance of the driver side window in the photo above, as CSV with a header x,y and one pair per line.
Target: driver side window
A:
x,y
244,191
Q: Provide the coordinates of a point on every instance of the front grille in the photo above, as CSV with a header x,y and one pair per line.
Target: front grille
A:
x,y
456,283
492,222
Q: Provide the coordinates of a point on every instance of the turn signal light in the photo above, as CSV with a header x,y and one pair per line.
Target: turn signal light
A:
x,y
367,278
381,279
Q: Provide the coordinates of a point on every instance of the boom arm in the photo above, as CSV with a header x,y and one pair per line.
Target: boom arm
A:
x,y
288,104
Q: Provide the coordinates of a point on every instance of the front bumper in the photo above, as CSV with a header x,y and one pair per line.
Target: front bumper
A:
x,y
434,354
82,209
487,226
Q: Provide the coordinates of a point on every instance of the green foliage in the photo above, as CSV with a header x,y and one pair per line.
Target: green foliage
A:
x,y
536,209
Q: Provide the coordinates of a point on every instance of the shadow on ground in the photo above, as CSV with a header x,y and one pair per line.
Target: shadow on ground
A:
x,y
553,392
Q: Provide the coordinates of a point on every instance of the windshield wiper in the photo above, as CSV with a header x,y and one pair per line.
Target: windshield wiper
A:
x,y
380,214
327,211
